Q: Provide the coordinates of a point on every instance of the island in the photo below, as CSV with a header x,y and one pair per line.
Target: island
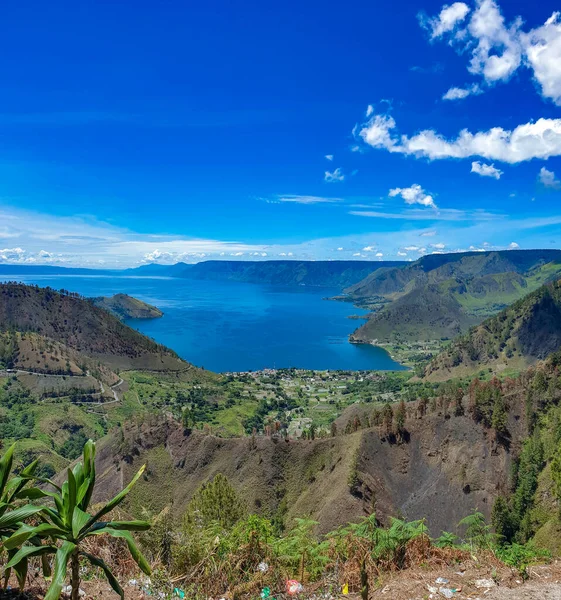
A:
x,y
126,307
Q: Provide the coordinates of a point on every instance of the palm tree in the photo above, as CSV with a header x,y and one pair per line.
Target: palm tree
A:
x,y
68,524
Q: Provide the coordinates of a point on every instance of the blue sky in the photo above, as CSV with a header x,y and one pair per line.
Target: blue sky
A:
x,y
135,132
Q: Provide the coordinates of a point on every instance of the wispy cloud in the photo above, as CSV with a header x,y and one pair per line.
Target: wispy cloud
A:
x,y
334,176
306,199
456,93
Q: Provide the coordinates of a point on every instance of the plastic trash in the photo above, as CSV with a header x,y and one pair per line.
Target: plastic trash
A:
x,y
179,593
265,592
345,589
441,580
263,567
293,587
446,592
484,583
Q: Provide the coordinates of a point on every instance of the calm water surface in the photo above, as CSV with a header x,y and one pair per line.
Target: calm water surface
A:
x,y
228,326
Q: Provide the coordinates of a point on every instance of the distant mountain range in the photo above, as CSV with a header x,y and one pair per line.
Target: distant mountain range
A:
x,y
336,273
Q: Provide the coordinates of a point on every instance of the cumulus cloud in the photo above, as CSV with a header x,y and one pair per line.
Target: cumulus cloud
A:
x,y
548,179
456,93
485,170
21,256
412,248
413,195
438,246
329,156
539,139
446,21
497,49
543,54
379,254
402,253
368,249
334,176
513,246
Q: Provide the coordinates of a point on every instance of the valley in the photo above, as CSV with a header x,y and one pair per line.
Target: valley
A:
x,y
474,425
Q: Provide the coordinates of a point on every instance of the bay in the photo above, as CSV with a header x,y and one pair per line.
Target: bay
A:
x,y
230,326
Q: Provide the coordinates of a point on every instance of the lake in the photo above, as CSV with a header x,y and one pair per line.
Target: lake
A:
x,y
230,326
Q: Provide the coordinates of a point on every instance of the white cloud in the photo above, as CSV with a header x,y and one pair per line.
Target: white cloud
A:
x,y
485,170
438,246
334,176
368,249
413,195
539,139
356,254
428,233
379,254
369,110
329,156
402,253
456,93
340,249
548,179
305,199
497,49
513,246
447,20
543,54
412,248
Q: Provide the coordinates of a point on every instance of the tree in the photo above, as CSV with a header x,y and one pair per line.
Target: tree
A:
x,y
502,521
215,502
69,524
387,418
556,476
400,417
499,418
458,402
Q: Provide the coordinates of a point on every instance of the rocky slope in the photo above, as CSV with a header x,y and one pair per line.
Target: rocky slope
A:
x,y
446,467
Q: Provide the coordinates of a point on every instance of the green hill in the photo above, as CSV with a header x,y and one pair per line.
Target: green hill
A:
x,y
526,331
439,297
82,326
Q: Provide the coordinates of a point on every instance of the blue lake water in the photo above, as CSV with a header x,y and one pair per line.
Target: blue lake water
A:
x,y
228,326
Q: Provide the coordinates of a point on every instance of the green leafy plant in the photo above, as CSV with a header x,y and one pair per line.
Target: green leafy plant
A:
x,y
446,540
478,533
12,516
301,551
66,525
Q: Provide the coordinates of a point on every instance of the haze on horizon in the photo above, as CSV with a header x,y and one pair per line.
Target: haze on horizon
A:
x,y
297,131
